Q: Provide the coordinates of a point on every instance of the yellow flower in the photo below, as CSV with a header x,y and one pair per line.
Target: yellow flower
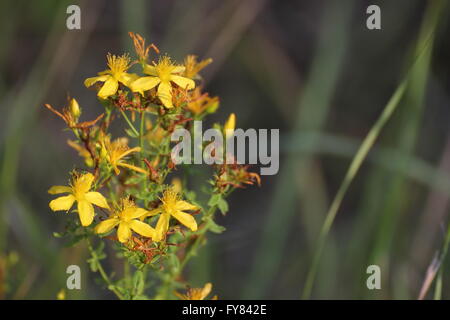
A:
x,y
193,67
196,293
79,192
162,74
230,125
172,206
126,219
200,103
116,151
118,65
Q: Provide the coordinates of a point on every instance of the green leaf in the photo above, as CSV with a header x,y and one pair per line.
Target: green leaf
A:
x,y
214,227
173,260
138,283
214,200
223,206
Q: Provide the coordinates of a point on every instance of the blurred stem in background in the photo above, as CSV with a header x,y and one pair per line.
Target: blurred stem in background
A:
x,y
313,105
390,159
393,189
436,267
416,73
398,189
135,18
355,165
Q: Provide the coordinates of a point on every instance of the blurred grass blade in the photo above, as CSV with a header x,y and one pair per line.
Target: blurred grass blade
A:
x,y
388,197
422,50
429,277
387,158
351,173
436,267
314,105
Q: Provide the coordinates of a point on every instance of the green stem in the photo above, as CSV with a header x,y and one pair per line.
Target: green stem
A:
x,y
200,237
130,124
201,234
438,287
102,272
141,131
167,283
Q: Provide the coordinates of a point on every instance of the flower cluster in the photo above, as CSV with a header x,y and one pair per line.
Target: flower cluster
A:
x,y
123,193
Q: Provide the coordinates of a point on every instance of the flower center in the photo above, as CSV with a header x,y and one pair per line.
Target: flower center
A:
x,y
164,69
169,200
78,192
118,64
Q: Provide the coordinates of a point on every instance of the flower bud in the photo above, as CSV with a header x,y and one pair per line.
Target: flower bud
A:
x,y
177,185
74,108
213,106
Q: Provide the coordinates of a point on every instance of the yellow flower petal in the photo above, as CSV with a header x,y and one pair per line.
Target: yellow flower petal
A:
x,y
161,227
109,88
128,78
184,205
134,213
183,82
129,166
185,219
165,94
150,70
62,203
106,225
124,154
123,232
90,81
151,213
206,290
97,198
86,212
142,228
178,69
59,189
144,84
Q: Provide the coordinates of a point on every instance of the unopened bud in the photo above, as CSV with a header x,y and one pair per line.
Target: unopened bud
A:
x,y
74,108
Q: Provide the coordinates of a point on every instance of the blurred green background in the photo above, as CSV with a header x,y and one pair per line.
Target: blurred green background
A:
x,y
309,68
